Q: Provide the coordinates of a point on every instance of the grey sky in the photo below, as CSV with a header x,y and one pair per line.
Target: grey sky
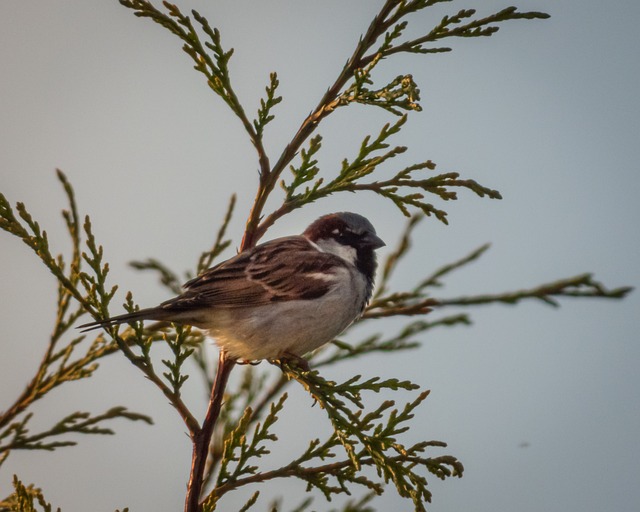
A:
x,y
542,405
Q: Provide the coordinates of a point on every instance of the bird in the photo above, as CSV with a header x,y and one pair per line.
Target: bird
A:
x,y
281,299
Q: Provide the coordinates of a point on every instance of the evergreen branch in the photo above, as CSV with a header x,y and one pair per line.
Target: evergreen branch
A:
x,y
60,363
264,112
28,230
212,60
75,423
239,450
97,295
438,185
314,476
457,25
362,165
579,286
25,499
181,353
306,172
400,94
65,296
399,304
235,439
136,337
97,301
67,370
348,426
369,439
215,65
400,189
415,302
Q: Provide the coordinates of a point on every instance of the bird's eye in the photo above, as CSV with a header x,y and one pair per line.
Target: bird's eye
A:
x,y
347,237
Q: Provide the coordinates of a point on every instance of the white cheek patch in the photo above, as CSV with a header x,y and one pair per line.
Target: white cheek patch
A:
x,y
346,252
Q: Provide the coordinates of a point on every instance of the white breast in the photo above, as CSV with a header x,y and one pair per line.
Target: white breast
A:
x,y
295,327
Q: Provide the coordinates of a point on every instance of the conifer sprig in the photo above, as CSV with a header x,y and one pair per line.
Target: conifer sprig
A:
x,y
370,438
461,24
266,105
181,352
583,285
212,60
239,450
18,436
26,498
404,189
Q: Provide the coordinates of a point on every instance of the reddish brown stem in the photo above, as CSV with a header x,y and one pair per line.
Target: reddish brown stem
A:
x,y
202,437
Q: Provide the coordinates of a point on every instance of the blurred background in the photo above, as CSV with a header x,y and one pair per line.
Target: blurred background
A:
x,y
542,405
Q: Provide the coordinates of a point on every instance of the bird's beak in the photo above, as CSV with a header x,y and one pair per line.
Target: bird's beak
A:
x,y
373,241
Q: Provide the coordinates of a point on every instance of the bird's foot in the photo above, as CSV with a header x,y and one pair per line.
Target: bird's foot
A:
x,y
293,359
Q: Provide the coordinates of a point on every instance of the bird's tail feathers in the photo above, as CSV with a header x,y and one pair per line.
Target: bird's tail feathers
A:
x,y
143,314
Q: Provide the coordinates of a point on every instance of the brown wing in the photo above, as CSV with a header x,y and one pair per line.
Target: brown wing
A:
x,y
283,269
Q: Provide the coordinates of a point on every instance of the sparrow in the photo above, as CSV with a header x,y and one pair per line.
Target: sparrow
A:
x,y
281,299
